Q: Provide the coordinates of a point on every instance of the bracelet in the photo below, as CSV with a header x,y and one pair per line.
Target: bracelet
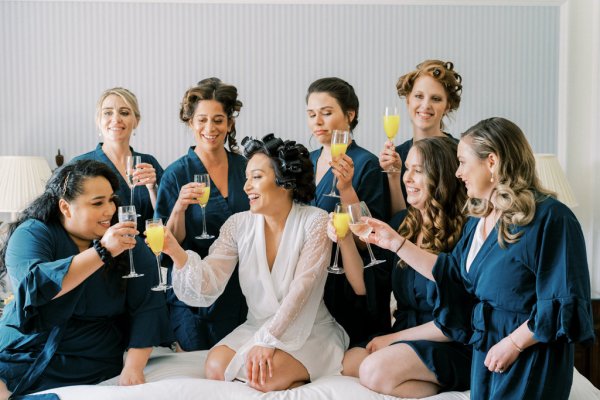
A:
x,y
401,244
514,343
103,253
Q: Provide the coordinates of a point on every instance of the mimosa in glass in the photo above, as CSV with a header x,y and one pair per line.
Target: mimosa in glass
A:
x,y
126,214
391,123
339,144
155,236
204,181
341,219
360,228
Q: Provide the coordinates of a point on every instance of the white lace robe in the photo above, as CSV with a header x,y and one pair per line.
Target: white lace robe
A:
x,y
285,305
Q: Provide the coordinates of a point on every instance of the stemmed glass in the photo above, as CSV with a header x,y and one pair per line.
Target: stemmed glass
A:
x,y
132,162
155,236
341,220
126,214
360,228
391,123
339,144
204,181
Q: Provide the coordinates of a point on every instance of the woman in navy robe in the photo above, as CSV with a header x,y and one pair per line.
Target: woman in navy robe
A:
x,y
432,92
430,362
73,315
332,104
209,109
117,116
516,286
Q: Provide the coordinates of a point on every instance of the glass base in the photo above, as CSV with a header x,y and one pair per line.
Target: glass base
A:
x,y
335,270
132,275
332,195
161,287
391,171
204,236
374,262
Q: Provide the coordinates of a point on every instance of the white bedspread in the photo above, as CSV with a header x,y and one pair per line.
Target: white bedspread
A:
x,y
180,377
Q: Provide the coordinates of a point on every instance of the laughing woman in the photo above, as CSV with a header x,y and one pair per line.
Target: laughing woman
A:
x,y
73,315
281,244
516,286
209,110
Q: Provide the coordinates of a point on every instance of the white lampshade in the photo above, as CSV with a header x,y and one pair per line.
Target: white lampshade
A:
x,y
553,178
22,179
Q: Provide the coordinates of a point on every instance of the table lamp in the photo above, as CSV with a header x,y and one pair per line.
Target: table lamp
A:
x,y
22,179
553,178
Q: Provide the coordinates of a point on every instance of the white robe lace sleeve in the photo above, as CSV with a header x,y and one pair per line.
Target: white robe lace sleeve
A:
x,y
291,325
200,282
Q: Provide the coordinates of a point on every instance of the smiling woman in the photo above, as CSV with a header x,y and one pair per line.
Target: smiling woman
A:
x,y
73,316
289,337
117,116
209,109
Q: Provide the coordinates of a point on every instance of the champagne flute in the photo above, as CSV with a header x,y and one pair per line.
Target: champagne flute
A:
x,y
132,162
339,144
341,220
128,213
360,228
391,123
155,236
204,180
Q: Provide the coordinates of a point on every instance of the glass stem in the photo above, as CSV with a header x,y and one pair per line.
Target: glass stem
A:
x,y
160,281
335,259
370,252
132,189
203,220
333,184
131,267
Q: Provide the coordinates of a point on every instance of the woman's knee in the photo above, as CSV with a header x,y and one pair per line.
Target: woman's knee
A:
x,y
372,375
215,365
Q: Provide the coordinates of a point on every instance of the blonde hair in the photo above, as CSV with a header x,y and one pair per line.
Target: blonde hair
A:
x,y
518,187
128,97
441,223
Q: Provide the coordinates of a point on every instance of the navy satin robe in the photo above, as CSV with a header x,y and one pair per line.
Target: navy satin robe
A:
x,y
200,328
365,315
543,279
80,337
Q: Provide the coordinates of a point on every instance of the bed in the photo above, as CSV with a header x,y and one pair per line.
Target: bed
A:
x,y
179,376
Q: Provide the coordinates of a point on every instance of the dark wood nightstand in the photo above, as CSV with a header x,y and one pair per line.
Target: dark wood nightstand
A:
x,y
587,359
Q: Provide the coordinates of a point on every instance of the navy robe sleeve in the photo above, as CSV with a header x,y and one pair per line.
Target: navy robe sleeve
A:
x,y
452,302
36,277
149,321
563,307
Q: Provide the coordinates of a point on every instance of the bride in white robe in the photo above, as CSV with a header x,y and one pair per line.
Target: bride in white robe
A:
x,y
283,282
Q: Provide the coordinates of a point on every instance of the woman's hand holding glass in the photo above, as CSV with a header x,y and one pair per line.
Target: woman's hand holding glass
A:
x,y
358,213
173,249
339,222
382,235
340,140
144,174
128,213
389,159
119,237
155,237
343,169
189,194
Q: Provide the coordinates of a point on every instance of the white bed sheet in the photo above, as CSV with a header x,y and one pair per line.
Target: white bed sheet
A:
x,y
179,376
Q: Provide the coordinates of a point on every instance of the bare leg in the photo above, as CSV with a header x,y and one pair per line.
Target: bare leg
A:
x,y
352,360
217,361
287,373
383,373
4,393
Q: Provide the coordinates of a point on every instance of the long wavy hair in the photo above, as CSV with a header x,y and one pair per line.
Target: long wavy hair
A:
x,y
65,183
213,89
518,187
442,220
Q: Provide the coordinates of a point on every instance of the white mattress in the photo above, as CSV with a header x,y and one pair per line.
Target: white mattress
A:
x,y
179,376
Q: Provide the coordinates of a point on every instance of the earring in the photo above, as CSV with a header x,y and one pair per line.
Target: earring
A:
x,y
100,135
133,133
492,178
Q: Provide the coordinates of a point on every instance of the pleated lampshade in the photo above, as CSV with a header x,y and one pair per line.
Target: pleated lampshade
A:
x,y
22,179
553,178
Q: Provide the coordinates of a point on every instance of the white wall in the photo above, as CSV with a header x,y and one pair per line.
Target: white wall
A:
x,y
535,62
